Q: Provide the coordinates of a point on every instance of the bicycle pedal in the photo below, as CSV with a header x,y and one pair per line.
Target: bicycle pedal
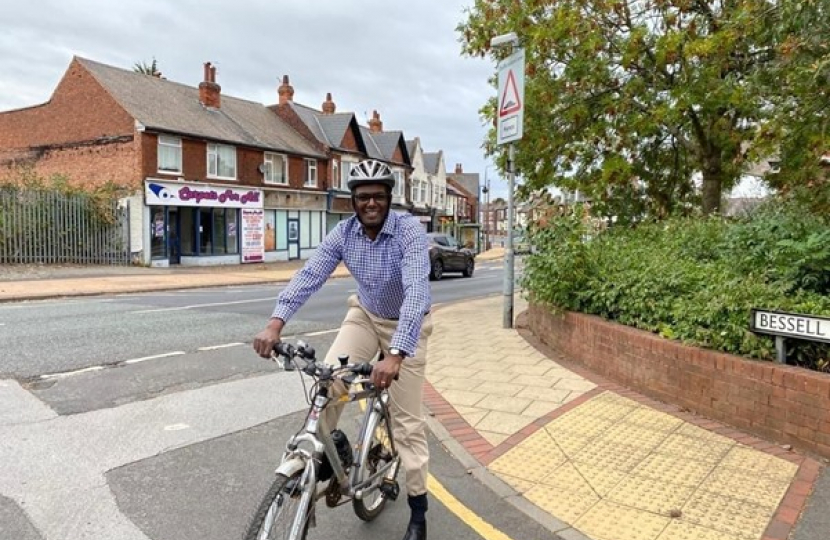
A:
x,y
390,488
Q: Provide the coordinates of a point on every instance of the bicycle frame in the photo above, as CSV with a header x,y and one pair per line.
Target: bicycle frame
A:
x,y
317,434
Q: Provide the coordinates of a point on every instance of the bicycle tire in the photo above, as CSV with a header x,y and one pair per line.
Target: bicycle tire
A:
x,y
274,499
375,439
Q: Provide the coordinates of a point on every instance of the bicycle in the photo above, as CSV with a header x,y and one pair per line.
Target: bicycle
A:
x,y
364,474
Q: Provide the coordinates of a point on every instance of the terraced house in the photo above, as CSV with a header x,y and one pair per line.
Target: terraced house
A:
x,y
216,179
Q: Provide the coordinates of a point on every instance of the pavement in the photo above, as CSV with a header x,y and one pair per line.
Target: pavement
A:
x,y
584,457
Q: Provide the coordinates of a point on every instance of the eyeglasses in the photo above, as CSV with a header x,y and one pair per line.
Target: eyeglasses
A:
x,y
379,198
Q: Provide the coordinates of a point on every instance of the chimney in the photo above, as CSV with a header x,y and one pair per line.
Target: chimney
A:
x,y
375,125
328,105
209,91
285,91
458,169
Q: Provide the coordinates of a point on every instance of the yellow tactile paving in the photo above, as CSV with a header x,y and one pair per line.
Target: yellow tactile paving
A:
x,y
568,442
692,448
575,422
628,434
533,461
727,515
652,495
679,530
565,505
653,420
676,470
611,455
567,477
609,521
751,461
602,481
764,491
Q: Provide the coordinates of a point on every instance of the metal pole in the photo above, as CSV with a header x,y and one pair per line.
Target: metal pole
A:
x,y
780,350
507,321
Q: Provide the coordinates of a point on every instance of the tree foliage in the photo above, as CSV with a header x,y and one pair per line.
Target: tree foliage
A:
x,y
147,69
631,102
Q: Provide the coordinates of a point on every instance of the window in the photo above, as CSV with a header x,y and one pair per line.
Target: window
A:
x,y
221,161
345,170
414,190
335,173
311,173
276,169
170,155
399,184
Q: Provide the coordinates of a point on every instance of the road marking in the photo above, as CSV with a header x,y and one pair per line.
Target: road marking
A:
x,y
183,308
176,427
63,374
145,358
473,520
214,347
320,333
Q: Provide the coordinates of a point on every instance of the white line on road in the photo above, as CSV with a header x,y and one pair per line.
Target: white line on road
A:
x,y
70,373
321,332
194,306
214,347
145,358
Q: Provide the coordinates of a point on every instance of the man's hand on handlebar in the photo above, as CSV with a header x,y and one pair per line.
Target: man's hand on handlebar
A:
x,y
265,341
386,371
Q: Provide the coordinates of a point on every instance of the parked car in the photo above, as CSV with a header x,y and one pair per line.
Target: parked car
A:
x,y
446,255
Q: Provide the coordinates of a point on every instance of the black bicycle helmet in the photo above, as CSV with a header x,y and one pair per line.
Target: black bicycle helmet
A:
x,y
370,171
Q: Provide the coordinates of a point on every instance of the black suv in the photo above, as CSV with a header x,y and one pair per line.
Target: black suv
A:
x,y
445,255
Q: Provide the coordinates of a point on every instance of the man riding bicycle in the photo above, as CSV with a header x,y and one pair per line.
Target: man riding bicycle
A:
x,y
387,255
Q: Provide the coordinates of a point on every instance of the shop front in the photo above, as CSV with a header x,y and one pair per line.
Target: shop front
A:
x,y
197,224
340,208
295,223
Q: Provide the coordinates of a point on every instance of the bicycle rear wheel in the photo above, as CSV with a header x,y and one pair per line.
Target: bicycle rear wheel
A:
x,y
376,451
282,505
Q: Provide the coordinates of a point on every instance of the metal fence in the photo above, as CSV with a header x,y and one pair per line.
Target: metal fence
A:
x,y
45,227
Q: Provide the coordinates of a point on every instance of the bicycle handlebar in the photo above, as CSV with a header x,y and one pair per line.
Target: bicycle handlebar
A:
x,y
307,353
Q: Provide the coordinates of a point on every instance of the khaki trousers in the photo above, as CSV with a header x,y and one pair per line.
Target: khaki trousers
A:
x,y
361,336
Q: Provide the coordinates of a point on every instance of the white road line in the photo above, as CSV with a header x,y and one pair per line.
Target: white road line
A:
x,y
194,306
70,373
320,333
145,358
214,347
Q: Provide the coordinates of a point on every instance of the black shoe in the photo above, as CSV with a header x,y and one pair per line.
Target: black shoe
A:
x,y
416,531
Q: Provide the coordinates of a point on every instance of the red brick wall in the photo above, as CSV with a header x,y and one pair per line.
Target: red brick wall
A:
x,y
80,110
781,403
349,141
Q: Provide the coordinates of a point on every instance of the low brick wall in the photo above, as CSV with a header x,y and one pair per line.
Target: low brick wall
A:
x,y
783,404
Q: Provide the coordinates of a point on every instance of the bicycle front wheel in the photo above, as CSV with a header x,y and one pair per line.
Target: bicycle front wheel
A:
x,y
283,513
376,451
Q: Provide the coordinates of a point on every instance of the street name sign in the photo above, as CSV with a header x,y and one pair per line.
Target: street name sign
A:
x,y
790,325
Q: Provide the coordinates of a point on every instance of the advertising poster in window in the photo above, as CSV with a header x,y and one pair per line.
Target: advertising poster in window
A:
x,y
253,246
270,232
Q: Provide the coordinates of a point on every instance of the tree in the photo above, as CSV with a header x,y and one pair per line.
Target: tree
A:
x,y
631,102
147,69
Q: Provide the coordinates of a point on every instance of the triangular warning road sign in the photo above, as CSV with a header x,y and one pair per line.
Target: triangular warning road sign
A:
x,y
510,100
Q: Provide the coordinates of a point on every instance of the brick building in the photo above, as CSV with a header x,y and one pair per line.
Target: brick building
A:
x,y
211,168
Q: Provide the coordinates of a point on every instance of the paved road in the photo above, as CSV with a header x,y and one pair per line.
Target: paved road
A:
x,y
65,335
179,440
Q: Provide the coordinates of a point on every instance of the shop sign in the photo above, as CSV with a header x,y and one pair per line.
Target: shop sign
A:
x,y
202,195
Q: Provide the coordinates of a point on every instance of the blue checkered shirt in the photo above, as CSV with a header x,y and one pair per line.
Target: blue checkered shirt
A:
x,y
392,274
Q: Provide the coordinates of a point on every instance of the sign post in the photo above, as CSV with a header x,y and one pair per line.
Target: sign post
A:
x,y
510,119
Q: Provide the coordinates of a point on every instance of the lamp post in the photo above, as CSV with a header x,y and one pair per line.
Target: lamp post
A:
x,y
509,116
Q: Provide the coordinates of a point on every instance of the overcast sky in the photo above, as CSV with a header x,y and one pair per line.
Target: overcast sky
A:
x,y
401,58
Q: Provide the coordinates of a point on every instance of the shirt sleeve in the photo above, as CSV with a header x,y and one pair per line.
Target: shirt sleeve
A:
x,y
312,276
417,300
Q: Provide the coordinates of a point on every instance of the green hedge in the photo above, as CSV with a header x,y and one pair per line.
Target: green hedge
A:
x,y
691,279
